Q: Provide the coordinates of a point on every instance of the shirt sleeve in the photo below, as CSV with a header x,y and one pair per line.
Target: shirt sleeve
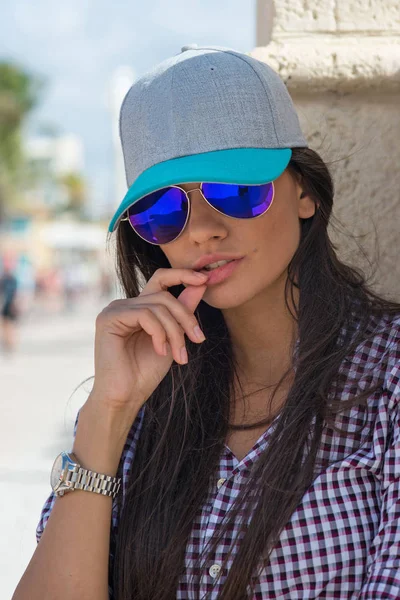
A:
x,y
123,472
382,581
48,505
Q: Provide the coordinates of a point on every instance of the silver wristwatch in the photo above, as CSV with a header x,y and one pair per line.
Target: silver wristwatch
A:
x,y
67,475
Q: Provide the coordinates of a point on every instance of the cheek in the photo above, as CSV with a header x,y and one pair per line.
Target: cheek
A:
x,y
170,255
281,233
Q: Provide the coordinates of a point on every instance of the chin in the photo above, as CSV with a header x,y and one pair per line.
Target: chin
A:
x,y
224,300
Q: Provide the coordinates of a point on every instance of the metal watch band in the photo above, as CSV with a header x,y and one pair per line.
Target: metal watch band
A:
x,y
90,481
77,477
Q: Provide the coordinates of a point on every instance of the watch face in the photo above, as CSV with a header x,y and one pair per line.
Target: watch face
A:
x,y
56,471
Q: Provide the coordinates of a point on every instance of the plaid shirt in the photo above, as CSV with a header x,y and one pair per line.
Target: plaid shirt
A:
x,y
343,540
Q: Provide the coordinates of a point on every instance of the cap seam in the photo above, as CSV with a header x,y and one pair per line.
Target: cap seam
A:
x,y
208,58
262,83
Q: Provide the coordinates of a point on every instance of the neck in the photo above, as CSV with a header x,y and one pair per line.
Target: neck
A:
x,y
262,333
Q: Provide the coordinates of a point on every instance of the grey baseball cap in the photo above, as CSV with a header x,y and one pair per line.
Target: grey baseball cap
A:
x,y
210,114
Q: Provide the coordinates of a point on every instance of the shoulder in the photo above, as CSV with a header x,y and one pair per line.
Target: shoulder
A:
x,y
365,428
377,356
372,368
385,352
393,362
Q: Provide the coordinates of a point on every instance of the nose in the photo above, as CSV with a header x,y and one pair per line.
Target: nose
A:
x,y
204,221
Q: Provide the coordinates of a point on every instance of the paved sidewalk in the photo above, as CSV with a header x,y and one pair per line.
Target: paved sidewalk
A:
x,y
55,356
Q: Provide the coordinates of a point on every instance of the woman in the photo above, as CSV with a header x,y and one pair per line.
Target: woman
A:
x,y
266,465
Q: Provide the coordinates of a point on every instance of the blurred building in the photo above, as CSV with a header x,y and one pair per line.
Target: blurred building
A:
x,y
47,242
43,195
48,159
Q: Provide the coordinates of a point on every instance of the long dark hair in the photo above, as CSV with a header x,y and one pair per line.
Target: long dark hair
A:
x,y
187,418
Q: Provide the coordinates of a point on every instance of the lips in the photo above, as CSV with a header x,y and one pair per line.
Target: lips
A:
x,y
208,259
213,269
219,274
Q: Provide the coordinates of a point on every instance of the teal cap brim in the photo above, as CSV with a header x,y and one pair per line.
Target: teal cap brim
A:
x,y
237,165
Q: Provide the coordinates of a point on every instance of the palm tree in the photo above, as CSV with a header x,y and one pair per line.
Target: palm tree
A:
x,y
76,191
19,92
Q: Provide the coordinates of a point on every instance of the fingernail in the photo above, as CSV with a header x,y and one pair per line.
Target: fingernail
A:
x,y
199,334
184,356
202,275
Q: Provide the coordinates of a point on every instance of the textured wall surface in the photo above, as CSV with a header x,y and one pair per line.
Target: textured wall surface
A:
x,y
341,63
303,15
335,63
336,15
358,136
373,15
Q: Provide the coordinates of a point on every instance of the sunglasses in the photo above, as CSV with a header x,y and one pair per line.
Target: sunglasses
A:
x,y
160,217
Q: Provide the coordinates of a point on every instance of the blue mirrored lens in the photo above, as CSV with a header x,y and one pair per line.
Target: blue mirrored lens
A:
x,y
160,217
240,201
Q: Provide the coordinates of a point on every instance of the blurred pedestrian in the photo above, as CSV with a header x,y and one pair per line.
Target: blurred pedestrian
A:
x,y
70,286
9,307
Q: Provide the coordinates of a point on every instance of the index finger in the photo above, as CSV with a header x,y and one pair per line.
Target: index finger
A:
x,y
166,278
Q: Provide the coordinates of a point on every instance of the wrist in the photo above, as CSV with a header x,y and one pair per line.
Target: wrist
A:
x,y
116,421
100,438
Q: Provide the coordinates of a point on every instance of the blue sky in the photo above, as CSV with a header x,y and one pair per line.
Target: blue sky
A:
x,y
78,44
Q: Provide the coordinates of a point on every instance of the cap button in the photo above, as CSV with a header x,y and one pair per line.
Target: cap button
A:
x,y
189,47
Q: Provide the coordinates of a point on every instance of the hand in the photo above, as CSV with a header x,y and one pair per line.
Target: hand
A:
x,y
131,333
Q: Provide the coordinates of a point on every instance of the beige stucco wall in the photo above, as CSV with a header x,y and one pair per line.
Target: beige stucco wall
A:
x,y
341,63
337,15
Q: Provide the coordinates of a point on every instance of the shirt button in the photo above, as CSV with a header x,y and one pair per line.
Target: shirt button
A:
x,y
214,571
220,482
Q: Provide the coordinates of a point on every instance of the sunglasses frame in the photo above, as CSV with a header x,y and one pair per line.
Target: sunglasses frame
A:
x,y
189,205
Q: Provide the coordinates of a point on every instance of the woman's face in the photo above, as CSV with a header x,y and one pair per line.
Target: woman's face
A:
x,y
267,243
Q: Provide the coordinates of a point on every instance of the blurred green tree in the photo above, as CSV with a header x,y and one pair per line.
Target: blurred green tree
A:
x,y
75,186
19,94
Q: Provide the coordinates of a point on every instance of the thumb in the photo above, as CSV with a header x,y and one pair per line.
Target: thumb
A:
x,y
192,295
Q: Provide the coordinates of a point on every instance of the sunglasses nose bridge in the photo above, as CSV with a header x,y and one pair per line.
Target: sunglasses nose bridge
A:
x,y
199,189
190,204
